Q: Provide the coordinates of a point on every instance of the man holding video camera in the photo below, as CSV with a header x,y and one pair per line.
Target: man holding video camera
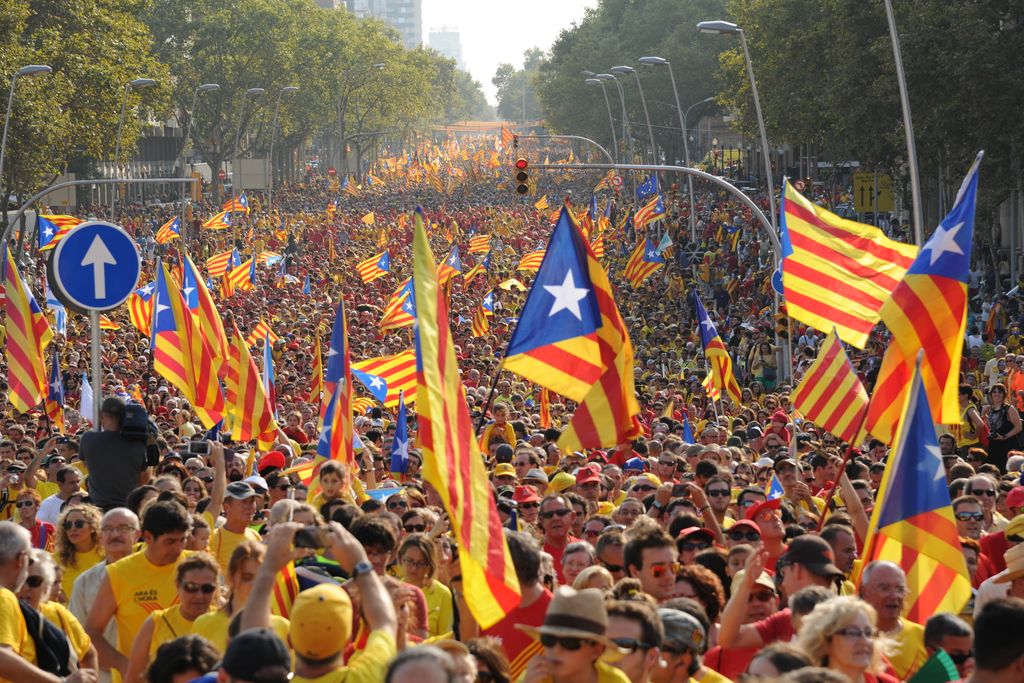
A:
x,y
117,460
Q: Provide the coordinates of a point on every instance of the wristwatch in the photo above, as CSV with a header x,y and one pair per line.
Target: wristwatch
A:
x,y
362,567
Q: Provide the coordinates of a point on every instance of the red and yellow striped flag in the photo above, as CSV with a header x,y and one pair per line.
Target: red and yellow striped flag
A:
x,y
545,408
218,264
27,334
452,459
531,262
542,204
218,221
286,589
835,272
889,395
107,324
259,331
247,402
369,219
830,392
480,244
397,371
316,380
64,224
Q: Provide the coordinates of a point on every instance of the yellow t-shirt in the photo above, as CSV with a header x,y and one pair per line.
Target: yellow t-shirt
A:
x,y
606,673
367,666
710,676
908,654
46,489
223,543
83,561
214,627
13,631
168,624
62,618
140,588
440,615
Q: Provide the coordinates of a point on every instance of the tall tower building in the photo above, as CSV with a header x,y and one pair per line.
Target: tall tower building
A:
x,y
446,41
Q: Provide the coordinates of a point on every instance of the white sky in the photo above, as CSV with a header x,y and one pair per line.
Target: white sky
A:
x,y
493,32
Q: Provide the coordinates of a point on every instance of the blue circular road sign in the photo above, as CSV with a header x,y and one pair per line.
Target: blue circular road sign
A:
x,y
95,267
777,281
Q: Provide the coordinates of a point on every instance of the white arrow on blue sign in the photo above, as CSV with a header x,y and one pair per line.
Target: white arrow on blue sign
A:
x,y
95,267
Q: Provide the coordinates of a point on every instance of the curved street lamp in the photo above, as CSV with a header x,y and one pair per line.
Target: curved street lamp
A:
x,y
23,72
136,84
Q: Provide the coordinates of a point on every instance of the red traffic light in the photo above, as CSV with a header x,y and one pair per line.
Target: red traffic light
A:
x,y
521,163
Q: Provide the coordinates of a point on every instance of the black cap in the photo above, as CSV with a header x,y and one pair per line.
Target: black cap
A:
x,y
257,655
814,553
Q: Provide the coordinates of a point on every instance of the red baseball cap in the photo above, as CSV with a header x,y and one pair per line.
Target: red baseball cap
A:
x,y
270,460
525,494
585,475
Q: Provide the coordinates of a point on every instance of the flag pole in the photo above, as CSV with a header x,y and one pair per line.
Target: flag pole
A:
x,y
842,468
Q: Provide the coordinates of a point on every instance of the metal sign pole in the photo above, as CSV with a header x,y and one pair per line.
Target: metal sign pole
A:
x,y
97,380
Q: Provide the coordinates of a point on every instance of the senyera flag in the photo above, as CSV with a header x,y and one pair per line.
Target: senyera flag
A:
x,y
452,461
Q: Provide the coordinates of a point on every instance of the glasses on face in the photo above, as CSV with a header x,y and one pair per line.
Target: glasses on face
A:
x,y
592,533
414,564
415,528
694,546
283,487
555,513
565,642
25,503
75,524
193,587
969,516
853,632
206,480
740,536
644,488
398,504
119,529
766,516
977,493
34,581
960,657
762,596
632,644
529,506
661,569
719,493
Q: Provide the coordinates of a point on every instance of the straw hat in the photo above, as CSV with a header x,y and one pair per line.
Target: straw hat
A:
x,y
575,614
1014,564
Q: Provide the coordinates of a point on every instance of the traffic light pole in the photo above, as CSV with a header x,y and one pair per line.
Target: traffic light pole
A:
x,y
769,230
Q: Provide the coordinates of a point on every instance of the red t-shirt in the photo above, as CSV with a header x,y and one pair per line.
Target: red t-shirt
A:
x,y
994,546
556,555
519,647
778,627
731,661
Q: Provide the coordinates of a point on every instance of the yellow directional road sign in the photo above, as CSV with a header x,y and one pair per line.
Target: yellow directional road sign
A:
x,y
864,187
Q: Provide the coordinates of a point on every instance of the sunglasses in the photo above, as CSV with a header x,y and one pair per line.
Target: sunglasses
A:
x,y
398,504
192,587
960,657
25,503
692,546
206,480
34,581
283,487
565,642
763,596
719,493
969,516
645,489
415,528
660,570
555,513
853,632
75,524
983,492
740,536
612,568
529,506
632,644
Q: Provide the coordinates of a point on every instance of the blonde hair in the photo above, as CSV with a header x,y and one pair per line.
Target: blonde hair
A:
x,y
818,628
64,551
584,578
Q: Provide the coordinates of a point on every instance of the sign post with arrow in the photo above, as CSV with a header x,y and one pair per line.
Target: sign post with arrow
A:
x,y
94,268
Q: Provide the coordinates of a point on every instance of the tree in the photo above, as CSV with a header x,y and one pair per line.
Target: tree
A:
x,y
517,97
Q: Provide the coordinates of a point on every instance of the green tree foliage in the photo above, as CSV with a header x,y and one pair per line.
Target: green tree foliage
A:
x,y
826,76
618,32
517,88
94,47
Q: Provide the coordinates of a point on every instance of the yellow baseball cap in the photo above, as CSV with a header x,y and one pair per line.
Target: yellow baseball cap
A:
x,y
560,482
321,622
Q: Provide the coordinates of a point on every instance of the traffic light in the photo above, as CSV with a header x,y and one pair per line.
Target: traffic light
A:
x,y
522,176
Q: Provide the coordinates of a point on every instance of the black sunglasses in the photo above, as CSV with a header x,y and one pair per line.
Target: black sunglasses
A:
x,y
415,528
566,642
75,524
192,587
744,536
34,581
632,644
552,513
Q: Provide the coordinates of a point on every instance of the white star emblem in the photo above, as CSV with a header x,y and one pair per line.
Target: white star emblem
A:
x,y
48,232
453,259
332,352
376,382
160,308
407,306
935,452
706,323
944,240
56,386
651,254
402,448
567,296
147,290
187,291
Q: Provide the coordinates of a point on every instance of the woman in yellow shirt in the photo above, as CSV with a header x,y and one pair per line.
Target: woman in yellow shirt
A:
x,y
418,558
77,546
197,587
245,561
42,574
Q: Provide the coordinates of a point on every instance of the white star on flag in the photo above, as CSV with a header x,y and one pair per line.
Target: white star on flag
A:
x,y
944,241
936,452
567,296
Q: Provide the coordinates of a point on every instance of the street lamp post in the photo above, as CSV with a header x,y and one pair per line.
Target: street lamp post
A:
x,y
273,134
661,61
626,133
30,70
137,84
249,94
205,87
908,130
608,106
643,102
727,27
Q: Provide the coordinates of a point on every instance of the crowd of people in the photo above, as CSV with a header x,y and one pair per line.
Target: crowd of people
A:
x,y
188,555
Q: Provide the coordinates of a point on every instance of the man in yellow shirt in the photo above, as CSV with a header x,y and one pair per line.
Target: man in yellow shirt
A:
x,y
883,585
321,617
17,649
239,507
139,584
